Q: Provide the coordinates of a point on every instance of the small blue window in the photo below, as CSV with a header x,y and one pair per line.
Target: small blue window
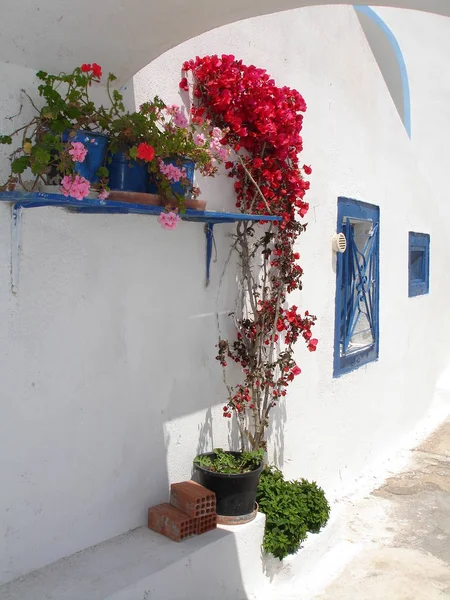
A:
x,y
357,286
419,264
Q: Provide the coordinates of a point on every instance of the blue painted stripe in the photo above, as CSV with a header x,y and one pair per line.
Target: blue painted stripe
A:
x,y
400,61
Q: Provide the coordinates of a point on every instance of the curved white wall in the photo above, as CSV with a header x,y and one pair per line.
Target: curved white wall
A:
x,y
109,385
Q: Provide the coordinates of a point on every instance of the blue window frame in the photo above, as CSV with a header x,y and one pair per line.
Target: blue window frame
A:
x,y
356,333
419,264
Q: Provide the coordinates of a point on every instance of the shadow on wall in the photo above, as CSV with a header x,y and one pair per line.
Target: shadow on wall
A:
x,y
275,433
206,434
113,334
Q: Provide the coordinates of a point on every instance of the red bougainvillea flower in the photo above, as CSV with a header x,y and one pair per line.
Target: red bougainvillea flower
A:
x,y
86,68
184,84
312,346
145,152
96,70
262,123
304,209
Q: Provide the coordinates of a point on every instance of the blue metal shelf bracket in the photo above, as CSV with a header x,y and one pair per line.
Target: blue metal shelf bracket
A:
x,y
209,245
21,200
16,238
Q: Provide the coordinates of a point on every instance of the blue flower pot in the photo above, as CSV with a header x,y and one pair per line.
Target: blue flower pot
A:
x,y
96,144
189,166
127,175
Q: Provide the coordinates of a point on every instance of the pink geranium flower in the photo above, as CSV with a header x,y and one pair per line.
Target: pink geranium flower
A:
x,y
199,139
172,172
103,195
75,186
172,109
223,153
179,119
78,152
215,145
168,220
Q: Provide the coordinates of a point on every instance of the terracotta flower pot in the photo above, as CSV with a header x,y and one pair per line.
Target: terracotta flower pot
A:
x,y
135,198
188,203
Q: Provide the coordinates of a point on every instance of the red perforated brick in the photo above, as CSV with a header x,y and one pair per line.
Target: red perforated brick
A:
x,y
171,522
192,498
206,523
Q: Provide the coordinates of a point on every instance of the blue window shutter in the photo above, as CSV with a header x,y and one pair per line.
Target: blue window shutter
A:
x,y
357,287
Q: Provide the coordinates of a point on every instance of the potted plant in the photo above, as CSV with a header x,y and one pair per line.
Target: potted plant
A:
x,y
131,150
65,141
159,139
233,477
183,145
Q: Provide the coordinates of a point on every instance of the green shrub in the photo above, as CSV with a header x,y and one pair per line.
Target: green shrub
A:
x,y
292,508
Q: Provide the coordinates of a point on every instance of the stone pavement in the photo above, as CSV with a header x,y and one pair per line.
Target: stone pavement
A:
x,y
403,530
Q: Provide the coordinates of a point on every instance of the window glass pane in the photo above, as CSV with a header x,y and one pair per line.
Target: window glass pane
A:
x,y
418,264
360,288
417,261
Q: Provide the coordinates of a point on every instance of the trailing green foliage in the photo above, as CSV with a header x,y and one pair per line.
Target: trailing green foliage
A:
x,y
225,462
292,508
67,107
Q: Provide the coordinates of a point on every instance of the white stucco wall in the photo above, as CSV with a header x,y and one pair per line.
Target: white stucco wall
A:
x,y
109,385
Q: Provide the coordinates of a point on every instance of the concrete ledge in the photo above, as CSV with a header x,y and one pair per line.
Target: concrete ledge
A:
x,y
143,565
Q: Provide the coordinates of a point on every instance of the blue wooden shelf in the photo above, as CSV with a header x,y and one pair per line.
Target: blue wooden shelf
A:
x,y
21,200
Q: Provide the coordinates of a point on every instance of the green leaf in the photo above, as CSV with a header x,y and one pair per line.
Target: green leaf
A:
x,y
203,461
19,165
73,96
73,112
60,125
133,152
102,172
41,155
117,96
5,139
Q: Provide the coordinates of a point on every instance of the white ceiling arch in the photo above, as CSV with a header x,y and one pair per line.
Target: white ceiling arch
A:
x,y
125,35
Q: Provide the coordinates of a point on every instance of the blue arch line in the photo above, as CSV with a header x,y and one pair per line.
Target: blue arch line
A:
x,y
400,60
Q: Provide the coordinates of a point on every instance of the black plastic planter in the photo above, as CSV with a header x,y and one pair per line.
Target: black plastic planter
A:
x,y
235,493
